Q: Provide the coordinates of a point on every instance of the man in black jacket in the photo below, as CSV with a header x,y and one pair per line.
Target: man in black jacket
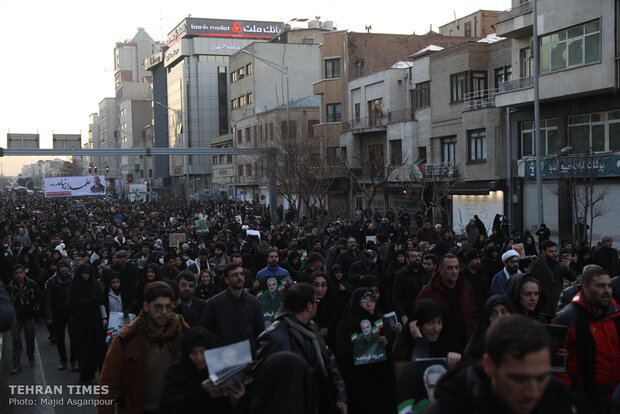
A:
x,y
57,312
293,330
409,281
514,377
26,296
189,306
606,256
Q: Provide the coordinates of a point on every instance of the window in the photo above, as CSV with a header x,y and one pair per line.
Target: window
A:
x,y
270,136
336,153
463,82
249,98
241,101
222,159
527,63
311,124
233,77
375,112
241,73
422,153
357,111
598,132
283,134
332,68
548,137
293,125
458,86
248,137
233,104
333,113
421,95
571,47
448,149
477,145
248,69
467,29
376,160
396,152
248,169
123,126
239,136
502,74
240,170
123,111
215,160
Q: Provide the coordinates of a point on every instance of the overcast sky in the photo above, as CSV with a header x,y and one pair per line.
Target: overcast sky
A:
x,y
57,56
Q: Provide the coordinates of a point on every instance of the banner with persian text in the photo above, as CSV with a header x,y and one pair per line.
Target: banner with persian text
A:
x,y
75,186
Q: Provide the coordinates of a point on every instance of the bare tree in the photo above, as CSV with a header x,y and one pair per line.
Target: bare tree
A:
x,y
369,169
436,181
579,178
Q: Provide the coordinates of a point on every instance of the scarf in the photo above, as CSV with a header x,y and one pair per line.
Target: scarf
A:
x,y
172,331
315,341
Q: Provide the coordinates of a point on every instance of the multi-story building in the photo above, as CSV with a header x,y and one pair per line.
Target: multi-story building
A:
x,y
94,139
268,129
467,136
197,66
159,128
579,70
257,86
478,24
108,135
346,56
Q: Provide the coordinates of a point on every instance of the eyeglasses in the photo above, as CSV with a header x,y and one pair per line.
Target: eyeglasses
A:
x,y
160,308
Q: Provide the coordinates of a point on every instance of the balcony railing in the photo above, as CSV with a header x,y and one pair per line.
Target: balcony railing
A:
x,y
246,179
379,122
439,171
514,12
480,99
515,84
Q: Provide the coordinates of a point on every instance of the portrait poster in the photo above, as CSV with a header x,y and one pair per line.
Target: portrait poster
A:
x,y
176,239
366,347
518,247
225,361
116,321
416,382
271,298
283,282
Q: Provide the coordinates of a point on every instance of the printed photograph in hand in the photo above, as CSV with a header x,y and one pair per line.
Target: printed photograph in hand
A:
x,y
366,348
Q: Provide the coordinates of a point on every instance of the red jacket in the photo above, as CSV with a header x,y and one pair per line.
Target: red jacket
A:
x,y
600,343
435,290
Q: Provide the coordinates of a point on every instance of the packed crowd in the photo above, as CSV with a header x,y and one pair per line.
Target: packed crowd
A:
x,y
329,307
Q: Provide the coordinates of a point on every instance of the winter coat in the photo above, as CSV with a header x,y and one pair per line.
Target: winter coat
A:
x,y
551,278
593,364
467,389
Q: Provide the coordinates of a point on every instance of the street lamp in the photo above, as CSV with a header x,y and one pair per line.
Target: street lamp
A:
x,y
272,182
181,115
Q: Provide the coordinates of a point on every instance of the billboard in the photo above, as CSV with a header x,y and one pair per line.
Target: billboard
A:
x,y
74,186
225,28
67,141
22,141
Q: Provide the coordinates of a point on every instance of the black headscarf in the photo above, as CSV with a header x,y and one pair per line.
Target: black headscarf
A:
x,y
475,346
513,290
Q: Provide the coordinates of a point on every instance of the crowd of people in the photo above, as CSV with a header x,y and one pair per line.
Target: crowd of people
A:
x,y
329,307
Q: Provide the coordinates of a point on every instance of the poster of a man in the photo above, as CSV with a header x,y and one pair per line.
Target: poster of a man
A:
x,y
367,348
98,186
271,300
416,382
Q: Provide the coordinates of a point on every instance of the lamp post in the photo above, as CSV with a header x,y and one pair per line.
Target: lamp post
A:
x,y
180,114
272,179
535,52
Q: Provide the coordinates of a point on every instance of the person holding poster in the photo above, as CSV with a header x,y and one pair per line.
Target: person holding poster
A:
x,y
365,366
270,300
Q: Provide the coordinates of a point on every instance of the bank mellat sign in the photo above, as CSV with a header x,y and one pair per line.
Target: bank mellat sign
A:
x,y
567,167
225,28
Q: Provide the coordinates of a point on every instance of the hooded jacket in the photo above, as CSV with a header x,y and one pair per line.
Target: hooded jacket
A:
x,y
467,390
593,347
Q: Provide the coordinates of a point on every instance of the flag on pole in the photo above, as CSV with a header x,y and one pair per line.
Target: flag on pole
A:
x,y
406,407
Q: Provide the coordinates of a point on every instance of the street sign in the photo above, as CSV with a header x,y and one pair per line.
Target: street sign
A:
x,y
130,178
22,141
67,141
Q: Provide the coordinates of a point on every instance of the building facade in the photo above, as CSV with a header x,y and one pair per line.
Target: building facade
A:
x,y
579,73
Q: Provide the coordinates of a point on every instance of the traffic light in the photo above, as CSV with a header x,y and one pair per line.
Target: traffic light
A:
x,y
148,187
90,169
107,169
95,169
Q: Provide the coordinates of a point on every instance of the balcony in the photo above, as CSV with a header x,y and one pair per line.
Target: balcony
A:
x,y
480,99
516,22
440,171
515,92
379,123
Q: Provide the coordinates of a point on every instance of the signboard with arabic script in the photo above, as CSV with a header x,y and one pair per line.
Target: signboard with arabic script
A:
x,y
225,28
75,186
567,167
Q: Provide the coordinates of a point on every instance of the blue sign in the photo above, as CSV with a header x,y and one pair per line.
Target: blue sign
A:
x,y
576,167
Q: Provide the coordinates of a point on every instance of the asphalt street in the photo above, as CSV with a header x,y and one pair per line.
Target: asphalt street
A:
x,y
58,391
